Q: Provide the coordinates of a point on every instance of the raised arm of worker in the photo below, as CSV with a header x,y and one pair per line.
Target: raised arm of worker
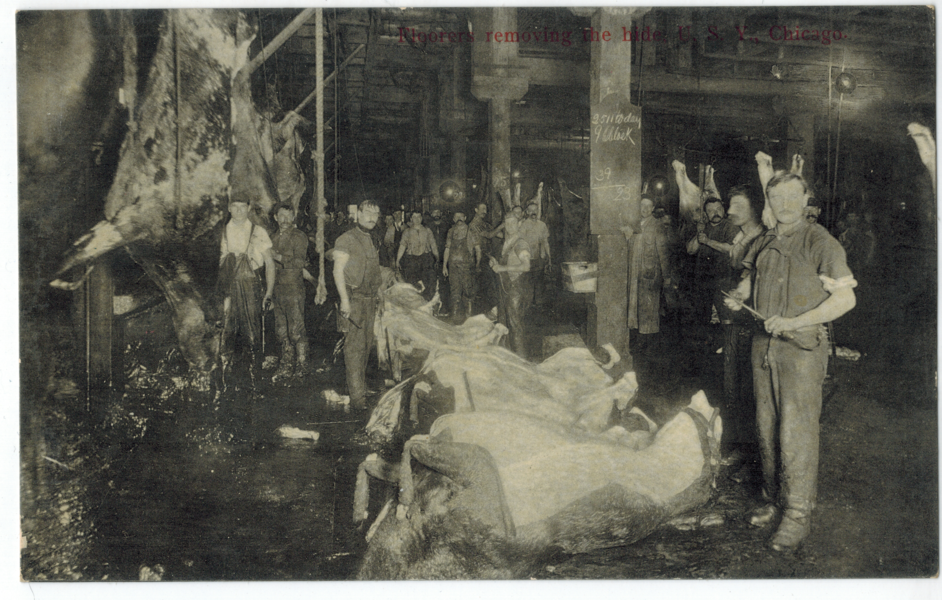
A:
x,y
522,267
307,276
340,261
497,231
715,244
693,246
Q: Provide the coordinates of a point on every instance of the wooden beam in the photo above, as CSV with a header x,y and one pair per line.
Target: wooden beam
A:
x,y
99,308
280,39
329,79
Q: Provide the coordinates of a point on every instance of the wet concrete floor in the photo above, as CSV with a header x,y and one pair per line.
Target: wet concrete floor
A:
x,y
163,483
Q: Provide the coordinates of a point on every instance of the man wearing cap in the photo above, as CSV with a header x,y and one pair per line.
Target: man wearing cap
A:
x,y
289,249
245,248
357,276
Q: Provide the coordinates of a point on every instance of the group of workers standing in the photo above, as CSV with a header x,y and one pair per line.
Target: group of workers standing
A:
x,y
772,278
432,257
791,271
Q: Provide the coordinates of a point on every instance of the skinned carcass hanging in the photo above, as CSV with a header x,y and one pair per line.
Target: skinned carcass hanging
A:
x,y
192,145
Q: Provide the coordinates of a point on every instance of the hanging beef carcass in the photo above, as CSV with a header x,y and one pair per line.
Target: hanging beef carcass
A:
x,y
283,147
192,145
691,199
494,492
70,67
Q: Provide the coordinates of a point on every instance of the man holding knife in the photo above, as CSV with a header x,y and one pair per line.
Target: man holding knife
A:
x,y
798,276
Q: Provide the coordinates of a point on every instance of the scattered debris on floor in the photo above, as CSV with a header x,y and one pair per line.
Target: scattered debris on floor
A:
x,y
298,434
846,353
332,397
151,574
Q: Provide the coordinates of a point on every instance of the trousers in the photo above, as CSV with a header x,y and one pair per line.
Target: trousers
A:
x,y
787,381
738,407
515,298
461,287
358,342
419,268
289,299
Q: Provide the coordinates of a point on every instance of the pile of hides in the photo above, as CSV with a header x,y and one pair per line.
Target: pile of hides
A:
x,y
407,324
570,388
494,493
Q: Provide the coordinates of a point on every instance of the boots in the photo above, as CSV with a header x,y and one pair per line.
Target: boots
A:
x,y
286,366
762,516
301,368
794,528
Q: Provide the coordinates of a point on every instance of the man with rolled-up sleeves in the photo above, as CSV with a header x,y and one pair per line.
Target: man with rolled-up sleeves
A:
x,y
357,276
798,276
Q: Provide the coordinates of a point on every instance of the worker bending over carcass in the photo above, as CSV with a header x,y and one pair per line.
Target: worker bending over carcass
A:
x,y
798,276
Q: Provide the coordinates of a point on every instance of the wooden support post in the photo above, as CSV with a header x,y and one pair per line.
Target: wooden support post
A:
x,y
494,80
328,80
615,176
99,310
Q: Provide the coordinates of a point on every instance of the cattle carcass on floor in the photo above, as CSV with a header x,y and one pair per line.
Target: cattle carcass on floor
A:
x,y
571,388
405,325
493,493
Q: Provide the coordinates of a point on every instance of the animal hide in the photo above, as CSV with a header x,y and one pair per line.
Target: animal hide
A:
x,y
406,325
494,492
569,388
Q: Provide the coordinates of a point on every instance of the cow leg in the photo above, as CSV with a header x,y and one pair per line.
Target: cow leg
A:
x,y
199,341
395,357
376,467
689,192
709,185
926,147
766,172
798,164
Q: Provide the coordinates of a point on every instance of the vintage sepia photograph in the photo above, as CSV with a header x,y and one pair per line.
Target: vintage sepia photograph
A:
x,y
477,293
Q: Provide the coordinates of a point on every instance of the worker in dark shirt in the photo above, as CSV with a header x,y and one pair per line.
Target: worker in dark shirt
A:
x,y
357,276
289,250
797,275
